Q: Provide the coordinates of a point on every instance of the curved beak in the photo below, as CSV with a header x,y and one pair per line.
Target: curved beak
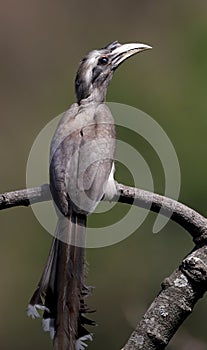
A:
x,y
122,52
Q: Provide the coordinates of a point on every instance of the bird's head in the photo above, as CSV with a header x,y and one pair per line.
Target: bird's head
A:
x,y
96,69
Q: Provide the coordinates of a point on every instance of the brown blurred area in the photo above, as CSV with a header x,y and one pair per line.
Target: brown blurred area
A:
x,y
41,44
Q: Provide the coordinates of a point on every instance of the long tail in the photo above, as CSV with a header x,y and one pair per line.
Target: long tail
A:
x,y
61,291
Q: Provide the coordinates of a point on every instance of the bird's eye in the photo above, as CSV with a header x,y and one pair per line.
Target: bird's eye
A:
x,y
103,60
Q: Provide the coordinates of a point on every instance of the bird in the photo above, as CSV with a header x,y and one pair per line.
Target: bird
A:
x,y
81,172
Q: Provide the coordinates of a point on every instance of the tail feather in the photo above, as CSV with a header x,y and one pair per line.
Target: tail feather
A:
x,y
61,291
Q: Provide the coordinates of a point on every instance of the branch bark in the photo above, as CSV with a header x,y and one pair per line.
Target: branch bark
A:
x,y
25,197
180,291
189,219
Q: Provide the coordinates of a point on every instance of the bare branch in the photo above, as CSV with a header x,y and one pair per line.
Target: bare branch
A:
x,y
25,197
189,219
180,291
175,302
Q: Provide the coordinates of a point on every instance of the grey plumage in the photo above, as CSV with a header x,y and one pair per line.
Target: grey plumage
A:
x,y
81,161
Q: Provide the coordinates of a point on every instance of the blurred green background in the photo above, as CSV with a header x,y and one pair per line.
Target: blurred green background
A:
x,y
41,45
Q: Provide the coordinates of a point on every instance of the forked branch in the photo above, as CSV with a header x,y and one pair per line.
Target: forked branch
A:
x,y
180,291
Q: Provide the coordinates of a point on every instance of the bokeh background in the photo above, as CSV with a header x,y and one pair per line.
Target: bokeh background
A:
x,y
41,45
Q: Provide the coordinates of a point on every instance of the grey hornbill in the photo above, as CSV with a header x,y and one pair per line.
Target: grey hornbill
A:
x,y
81,173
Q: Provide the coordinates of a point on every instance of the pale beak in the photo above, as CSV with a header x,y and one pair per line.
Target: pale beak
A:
x,y
122,52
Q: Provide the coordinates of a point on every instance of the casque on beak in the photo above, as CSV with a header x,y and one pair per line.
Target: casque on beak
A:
x,y
122,52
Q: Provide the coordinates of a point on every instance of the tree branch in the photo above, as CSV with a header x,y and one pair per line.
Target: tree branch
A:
x,y
180,291
189,219
175,302
25,197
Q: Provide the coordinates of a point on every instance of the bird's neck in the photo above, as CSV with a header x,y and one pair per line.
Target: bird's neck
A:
x,y
96,92
98,96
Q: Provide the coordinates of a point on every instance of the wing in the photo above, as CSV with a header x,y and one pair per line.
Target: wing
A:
x,y
82,159
62,147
